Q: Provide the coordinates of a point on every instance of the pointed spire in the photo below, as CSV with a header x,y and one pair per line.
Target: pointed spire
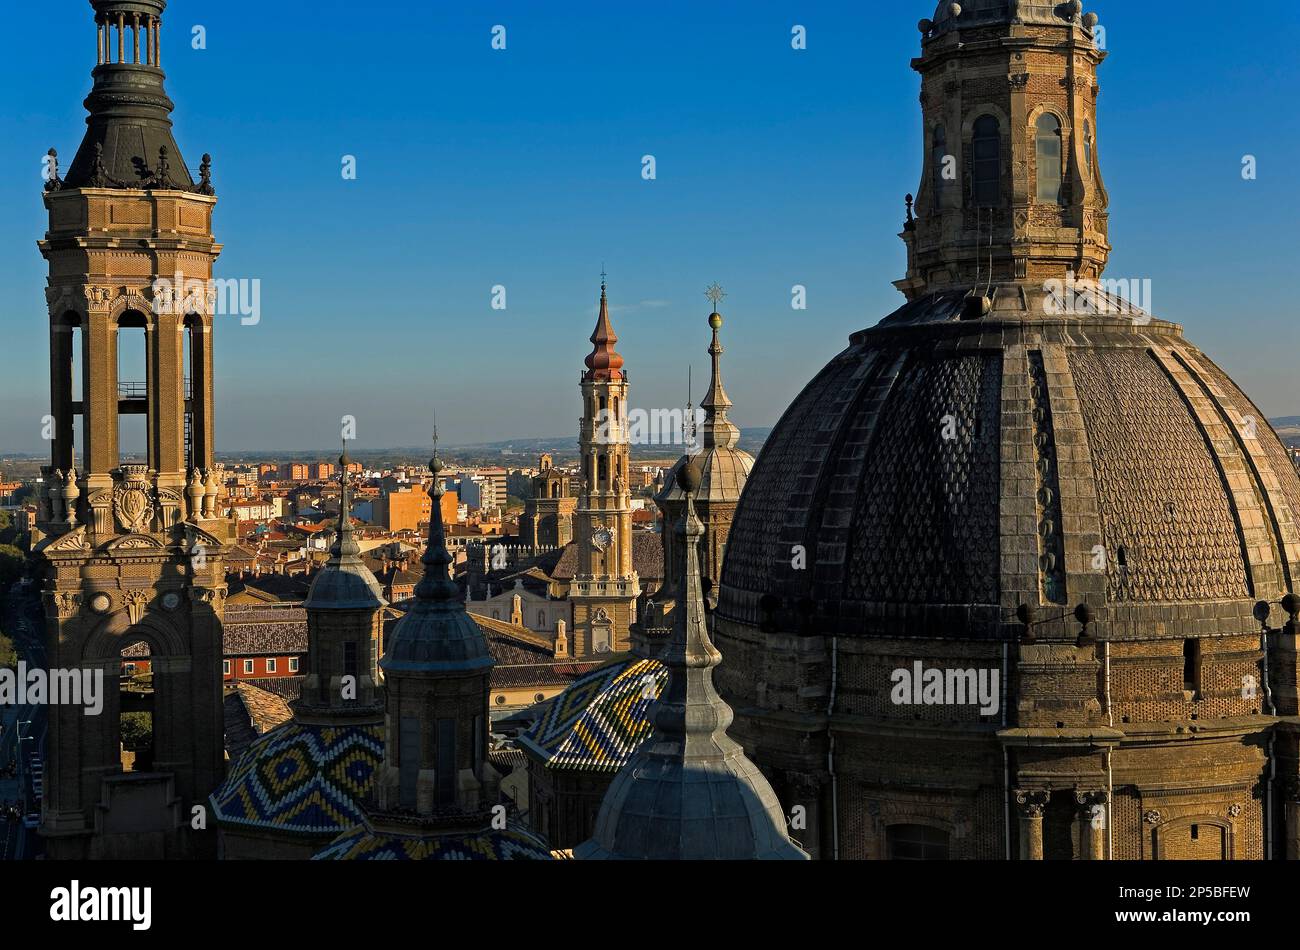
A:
x,y
345,583
345,549
604,362
436,636
719,431
690,792
436,585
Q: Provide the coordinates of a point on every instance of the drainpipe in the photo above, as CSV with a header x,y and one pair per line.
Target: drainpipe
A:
x,y
1110,765
1110,806
1006,758
1272,758
1268,797
830,752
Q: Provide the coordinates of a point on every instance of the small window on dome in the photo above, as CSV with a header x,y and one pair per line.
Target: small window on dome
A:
x,y
986,162
938,159
1048,152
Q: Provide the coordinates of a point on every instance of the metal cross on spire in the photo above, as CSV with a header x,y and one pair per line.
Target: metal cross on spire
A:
x,y
715,293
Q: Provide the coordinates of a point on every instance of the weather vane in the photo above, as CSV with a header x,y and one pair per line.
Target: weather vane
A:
x,y
715,293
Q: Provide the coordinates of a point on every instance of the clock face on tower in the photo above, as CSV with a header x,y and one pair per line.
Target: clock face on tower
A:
x,y
602,538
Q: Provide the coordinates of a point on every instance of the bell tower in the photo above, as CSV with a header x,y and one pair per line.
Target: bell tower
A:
x,y
605,587
132,550
1012,187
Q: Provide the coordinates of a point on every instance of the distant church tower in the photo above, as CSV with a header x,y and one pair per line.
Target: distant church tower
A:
x,y
548,515
605,588
131,553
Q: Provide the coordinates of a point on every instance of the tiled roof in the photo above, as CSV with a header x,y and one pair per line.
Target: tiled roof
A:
x,y
250,712
600,719
287,688
302,779
515,843
255,630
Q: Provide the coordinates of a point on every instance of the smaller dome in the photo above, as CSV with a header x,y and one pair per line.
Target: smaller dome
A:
x,y
722,472
344,586
437,637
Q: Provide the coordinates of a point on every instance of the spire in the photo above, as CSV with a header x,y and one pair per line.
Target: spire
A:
x,y
604,362
719,431
436,636
690,792
345,583
436,584
345,549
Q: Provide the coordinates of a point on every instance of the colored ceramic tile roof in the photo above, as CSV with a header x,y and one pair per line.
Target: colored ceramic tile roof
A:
x,y
600,719
302,779
515,843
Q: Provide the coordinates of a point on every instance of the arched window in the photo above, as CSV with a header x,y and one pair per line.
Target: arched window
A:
x,y
1047,148
938,159
541,620
1087,147
986,162
602,472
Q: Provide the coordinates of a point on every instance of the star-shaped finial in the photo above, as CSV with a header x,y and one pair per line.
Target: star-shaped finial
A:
x,y
715,293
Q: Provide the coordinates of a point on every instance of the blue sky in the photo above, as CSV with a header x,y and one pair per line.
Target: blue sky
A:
x,y
522,168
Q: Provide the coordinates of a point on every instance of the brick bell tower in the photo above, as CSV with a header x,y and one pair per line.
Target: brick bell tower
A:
x,y
605,587
132,553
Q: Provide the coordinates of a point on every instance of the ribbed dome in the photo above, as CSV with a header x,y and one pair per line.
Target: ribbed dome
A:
x,y
723,473
940,472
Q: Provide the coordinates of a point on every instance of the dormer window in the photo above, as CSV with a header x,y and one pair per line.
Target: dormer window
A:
x,y
938,158
1047,150
986,162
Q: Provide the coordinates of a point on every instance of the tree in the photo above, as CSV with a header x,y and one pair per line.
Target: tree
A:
x,y
11,566
137,731
8,655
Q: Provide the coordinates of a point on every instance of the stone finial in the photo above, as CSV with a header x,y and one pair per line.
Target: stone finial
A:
x,y
205,176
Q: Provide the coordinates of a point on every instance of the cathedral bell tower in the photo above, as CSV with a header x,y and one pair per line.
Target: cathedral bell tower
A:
x,y
605,587
1012,187
131,552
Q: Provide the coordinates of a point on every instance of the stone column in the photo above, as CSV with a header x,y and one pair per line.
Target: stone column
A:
x,y
1030,805
121,37
99,393
167,421
1094,819
135,38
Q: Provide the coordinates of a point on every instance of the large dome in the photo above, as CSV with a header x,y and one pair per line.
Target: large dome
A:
x,y
940,472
